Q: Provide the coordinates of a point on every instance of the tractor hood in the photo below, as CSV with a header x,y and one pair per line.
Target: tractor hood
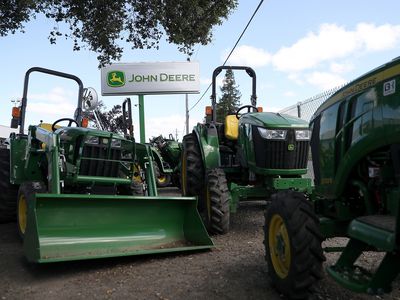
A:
x,y
273,120
75,131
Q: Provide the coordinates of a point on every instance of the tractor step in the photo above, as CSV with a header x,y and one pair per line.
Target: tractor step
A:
x,y
385,222
375,230
354,278
359,280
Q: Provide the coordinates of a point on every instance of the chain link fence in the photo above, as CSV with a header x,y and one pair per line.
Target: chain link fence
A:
x,y
305,109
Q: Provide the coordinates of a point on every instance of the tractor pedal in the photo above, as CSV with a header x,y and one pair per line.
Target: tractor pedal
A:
x,y
355,278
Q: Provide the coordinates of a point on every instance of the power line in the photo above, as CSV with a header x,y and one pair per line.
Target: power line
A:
x,y
194,105
230,53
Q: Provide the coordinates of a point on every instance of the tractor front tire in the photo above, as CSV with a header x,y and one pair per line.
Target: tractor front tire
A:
x,y
293,244
192,168
216,198
8,192
162,179
26,194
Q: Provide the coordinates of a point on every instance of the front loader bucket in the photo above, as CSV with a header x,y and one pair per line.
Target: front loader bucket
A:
x,y
64,227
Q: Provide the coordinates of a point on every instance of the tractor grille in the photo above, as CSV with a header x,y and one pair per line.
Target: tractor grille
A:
x,y
95,161
274,154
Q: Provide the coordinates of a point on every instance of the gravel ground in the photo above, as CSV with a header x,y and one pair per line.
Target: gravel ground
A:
x,y
234,269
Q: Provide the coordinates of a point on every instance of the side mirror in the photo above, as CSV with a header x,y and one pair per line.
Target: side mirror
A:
x,y
90,100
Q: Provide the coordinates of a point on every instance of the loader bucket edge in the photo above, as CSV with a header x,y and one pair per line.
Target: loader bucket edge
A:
x,y
63,227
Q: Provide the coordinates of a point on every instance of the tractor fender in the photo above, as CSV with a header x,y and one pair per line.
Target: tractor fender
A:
x,y
207,136
158,159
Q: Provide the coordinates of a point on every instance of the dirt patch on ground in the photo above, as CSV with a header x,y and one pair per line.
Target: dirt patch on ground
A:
x,y
234,269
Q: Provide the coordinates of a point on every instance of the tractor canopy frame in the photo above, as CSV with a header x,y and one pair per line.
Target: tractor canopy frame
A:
x,y
249,71
78,112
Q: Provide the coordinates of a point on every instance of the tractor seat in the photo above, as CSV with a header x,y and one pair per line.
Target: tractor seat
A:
x,y
378,231
231,127
47,126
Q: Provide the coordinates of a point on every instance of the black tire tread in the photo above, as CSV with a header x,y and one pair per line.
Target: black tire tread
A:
x,y
29,189
194,166
219,201
8,192
305,239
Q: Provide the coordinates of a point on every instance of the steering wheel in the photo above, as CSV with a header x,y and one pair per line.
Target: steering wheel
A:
x,y
53,127
248,110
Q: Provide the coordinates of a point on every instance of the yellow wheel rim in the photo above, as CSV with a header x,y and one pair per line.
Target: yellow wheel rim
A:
x,y
22,213
136,170
162,178
279,246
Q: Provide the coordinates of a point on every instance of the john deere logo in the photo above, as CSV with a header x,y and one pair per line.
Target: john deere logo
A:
x,y
115,78
290,147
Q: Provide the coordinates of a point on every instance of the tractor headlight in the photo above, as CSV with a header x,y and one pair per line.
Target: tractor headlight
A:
x,y
272,134
303,135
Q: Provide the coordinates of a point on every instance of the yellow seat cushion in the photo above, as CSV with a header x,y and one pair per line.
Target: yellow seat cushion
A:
x,y
231,127
47,126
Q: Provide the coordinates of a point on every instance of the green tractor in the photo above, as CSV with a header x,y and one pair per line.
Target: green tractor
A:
x,y
249,156
82,193
167,155
355,146
162,169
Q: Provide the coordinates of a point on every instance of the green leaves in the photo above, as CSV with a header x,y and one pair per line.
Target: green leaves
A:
x,y
101,25
13,14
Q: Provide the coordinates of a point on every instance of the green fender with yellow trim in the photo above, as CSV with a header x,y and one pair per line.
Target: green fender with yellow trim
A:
x,y
209,145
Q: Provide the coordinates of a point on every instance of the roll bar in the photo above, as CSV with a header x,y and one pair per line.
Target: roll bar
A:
x,y
249,71
78,112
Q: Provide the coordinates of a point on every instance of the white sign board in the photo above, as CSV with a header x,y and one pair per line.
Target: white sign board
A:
x,y
150,78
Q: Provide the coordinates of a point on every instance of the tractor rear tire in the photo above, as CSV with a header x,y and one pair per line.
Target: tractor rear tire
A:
x,y
26,194
192,168
176,180
293,244
217,198
8,191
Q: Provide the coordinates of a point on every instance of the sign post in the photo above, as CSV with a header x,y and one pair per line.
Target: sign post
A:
x,y
141,120
156,78
187,113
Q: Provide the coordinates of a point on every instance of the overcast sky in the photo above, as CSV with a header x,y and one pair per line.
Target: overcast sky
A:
x,y
297,48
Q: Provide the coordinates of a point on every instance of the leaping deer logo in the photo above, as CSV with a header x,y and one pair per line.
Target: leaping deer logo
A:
x,y
116,78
